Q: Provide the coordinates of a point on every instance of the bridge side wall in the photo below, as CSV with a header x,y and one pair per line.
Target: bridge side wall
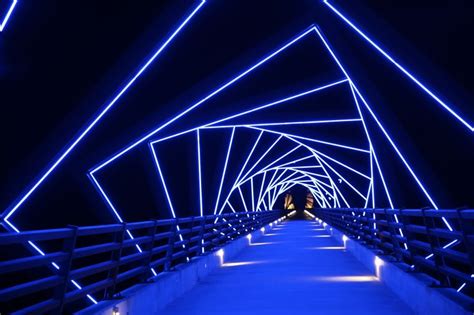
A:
x,y
150,298
415,289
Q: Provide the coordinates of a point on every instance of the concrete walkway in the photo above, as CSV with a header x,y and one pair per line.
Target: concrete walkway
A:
x,y
297,268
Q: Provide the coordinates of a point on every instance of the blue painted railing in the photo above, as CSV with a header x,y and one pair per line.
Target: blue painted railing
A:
x,y
439,243
99,262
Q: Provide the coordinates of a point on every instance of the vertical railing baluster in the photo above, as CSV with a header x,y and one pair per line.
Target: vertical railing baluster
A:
x,y
149,248
393,235
434,245
202,232
189,238
467,230
116,255
69,244
221,228
409,236
171,241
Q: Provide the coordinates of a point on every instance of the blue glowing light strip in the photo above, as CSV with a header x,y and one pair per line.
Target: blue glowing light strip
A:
x,y
267,190
298,160
345,180
105,197
274,162
316,155
354,88
253,197
276,168
333,184
261,198
297,175
248,158
295,168
160,173
199,171
301,94
292,97
102,113
286,123
373,155
242,198
214,124
165,188
294,137
263,155
400,67
317,141
329,178
381,127
39,251
225,168
209,96
285,184
285,179
277,182
261,189
7,16
213,94
244,166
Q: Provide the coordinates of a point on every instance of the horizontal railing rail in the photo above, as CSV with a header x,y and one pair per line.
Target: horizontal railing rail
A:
x,y
437,242
107,259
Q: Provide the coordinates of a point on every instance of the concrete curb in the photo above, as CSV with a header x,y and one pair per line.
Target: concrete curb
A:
x,y
150,298
413,288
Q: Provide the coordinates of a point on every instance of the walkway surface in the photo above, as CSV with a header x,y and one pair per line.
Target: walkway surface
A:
x,y
297,268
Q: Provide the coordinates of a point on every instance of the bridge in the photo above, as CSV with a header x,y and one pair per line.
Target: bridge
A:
x,y
333,261
228,157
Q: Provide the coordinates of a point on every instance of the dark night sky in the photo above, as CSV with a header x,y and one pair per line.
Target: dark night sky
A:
x,y
60,61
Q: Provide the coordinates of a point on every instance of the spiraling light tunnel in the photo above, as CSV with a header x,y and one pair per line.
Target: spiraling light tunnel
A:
x,y
269,147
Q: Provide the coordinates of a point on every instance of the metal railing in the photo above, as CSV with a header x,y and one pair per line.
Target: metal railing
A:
x,y
101,261
437,242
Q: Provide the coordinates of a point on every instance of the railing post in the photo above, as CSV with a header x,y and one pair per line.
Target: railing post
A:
x,y
189,238
202,232
404,220
69,244
254,220
393,235
149,248
171,240
435,244
240,228
467,231
115,257
221,227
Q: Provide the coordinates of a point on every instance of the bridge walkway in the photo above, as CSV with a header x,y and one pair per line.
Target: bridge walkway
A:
x,y
296,268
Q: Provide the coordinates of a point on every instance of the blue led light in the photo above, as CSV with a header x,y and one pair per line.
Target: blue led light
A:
x,y
8,14
405,162
245,165
316,178
214,125
198,141
96,120
377,120
165,188
225,168
82,135
221,88
400,67
203,100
